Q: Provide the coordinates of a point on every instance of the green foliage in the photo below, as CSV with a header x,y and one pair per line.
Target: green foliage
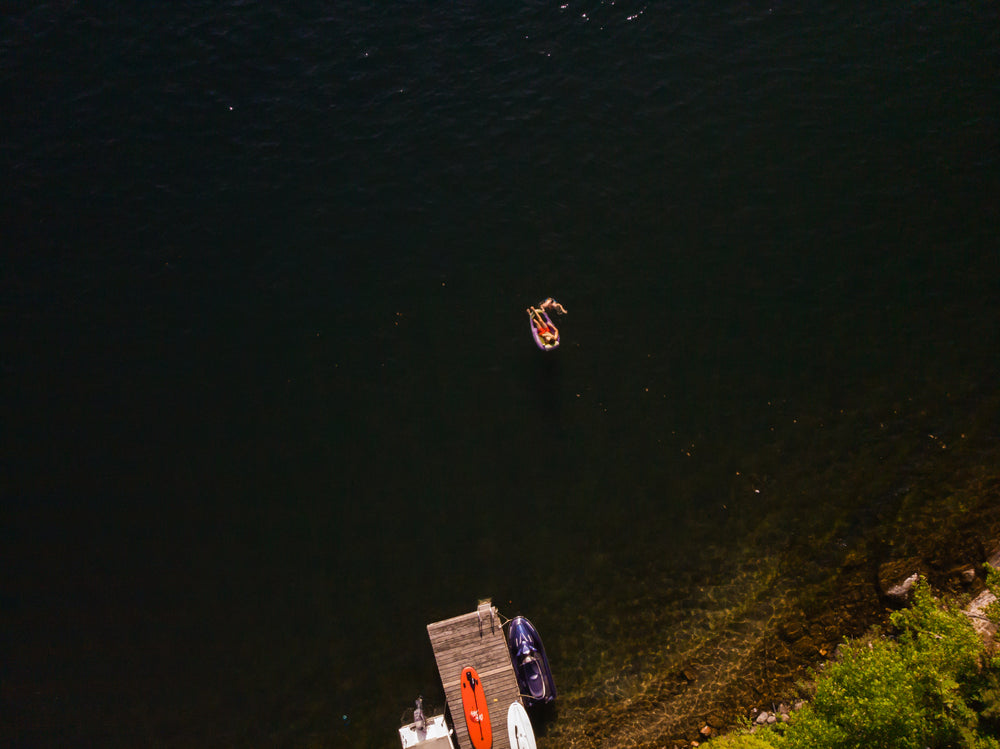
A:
x,y
993,583
869,698
761,740
936,637
927,687
989,692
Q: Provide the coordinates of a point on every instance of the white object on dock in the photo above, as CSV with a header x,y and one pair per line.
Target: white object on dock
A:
x,y
519,727
435,734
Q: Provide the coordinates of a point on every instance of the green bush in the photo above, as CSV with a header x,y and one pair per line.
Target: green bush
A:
x,y
993,583
926,687
761,740
870,698
989,693
917,690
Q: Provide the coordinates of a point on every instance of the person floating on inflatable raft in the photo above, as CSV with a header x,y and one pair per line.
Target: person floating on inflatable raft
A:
x,y
546,334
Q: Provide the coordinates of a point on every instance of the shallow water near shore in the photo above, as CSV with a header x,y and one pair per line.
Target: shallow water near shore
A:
x,y
272,404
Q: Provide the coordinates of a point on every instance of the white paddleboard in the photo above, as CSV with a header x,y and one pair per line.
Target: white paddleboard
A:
x,y
519,727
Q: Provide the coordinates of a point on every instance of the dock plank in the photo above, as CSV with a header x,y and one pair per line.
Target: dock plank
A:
x,y
476,639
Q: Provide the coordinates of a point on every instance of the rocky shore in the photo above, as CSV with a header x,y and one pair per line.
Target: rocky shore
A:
x,y
826,548
896,581
755,661
949,550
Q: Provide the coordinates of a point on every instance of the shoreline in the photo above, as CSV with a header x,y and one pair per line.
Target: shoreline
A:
x,y
946,522
974,601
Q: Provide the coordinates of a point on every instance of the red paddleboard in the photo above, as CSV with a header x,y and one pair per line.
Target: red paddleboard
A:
x,y
477,716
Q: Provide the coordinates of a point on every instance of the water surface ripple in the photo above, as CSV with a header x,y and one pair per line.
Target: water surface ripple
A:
x,y
271,405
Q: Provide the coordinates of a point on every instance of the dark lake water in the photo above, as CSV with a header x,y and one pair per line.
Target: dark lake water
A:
x,y
271,405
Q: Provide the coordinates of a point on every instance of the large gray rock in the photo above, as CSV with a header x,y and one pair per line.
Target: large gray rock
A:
x,y
976,611
897,578
994,559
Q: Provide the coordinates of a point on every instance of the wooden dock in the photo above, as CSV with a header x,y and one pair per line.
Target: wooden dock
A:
x,y
477,640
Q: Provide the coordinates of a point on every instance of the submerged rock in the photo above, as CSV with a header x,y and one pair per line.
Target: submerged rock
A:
x,y
790,631
805,647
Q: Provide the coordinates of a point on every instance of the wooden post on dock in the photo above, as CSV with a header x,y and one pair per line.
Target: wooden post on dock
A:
x,y
477,640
